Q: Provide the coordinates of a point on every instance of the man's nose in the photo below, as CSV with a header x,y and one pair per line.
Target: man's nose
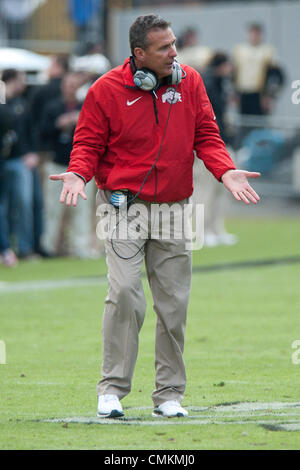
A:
x,y
173,51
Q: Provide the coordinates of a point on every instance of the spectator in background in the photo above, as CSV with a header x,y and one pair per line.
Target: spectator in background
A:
x,y
218,83
57,128
7,256
190,52
251,62
59,66
208,191
39,98
91,67
86,17
18,168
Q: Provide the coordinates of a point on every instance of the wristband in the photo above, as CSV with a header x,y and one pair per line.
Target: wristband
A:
x,y
83,179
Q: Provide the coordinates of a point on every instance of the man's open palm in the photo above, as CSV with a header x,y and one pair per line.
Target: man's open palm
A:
x,y
72,187
237,183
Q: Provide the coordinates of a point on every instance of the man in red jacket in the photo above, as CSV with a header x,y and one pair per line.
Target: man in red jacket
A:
x,y
137,132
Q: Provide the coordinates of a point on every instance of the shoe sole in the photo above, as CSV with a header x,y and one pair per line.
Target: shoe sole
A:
x,y
161,415
112,414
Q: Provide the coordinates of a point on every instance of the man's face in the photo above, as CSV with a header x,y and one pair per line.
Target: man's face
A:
x,y
225,70
17,86
161,52
70,85
255,36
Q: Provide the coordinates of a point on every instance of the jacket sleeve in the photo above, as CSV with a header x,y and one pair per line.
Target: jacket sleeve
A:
x,y
90,137
208,144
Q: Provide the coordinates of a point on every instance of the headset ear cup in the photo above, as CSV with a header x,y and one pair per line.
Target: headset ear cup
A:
x,y
145,79
176,74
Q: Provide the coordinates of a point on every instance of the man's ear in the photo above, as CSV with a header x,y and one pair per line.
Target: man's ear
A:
x,y
139,54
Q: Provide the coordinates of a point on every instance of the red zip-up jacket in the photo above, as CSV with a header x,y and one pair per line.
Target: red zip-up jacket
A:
x,y
120,131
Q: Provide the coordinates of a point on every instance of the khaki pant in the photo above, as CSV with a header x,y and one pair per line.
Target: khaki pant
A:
x,y
168,266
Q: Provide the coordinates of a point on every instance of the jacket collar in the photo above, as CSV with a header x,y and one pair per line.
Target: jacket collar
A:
x,y
127,73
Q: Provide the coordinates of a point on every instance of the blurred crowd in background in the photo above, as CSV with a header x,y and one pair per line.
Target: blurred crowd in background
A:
x,y
37,124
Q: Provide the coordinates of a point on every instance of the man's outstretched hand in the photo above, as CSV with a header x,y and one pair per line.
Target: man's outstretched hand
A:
x,y
237,183
72,187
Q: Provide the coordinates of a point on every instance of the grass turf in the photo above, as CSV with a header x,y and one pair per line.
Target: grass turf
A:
x,y
241,325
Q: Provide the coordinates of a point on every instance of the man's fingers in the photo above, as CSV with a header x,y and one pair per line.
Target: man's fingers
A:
x,y
236,196
69,199
75,197
251,196
56,177
245,195
243,198
252,174
254,194
63,196
70,190
83,195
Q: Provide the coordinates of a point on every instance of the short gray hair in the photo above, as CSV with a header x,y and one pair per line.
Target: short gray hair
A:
x,y
141,27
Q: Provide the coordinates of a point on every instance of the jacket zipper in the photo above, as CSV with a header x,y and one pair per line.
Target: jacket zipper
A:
x,y
154,97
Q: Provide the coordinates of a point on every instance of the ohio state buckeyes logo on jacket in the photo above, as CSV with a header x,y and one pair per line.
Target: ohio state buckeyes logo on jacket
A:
x,y
171,96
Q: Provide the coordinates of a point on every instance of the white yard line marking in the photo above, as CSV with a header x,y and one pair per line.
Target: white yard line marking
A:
x,y
167,422
234,407
255,406
286,414
15,287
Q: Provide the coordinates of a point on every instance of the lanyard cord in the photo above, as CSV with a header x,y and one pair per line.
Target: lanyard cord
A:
x,y
146,177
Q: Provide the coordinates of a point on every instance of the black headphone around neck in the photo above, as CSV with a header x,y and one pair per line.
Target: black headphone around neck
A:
x,y
147,80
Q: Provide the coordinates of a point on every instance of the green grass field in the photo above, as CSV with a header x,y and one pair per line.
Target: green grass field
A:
x,y
242,390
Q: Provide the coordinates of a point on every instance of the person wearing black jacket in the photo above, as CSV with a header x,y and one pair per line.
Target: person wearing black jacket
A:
x,y
43,94
18,163
57,129
7,256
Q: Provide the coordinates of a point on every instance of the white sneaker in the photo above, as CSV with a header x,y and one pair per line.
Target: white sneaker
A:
x,y
109,406
227,239
211,240
170,409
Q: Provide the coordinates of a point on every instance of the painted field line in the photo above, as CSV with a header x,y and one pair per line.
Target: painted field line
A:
x,y
16,287
235,413
246,416
254,406
282,427
233,407
166,422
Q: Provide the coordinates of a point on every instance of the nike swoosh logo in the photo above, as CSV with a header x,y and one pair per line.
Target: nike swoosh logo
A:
x,y
129,103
